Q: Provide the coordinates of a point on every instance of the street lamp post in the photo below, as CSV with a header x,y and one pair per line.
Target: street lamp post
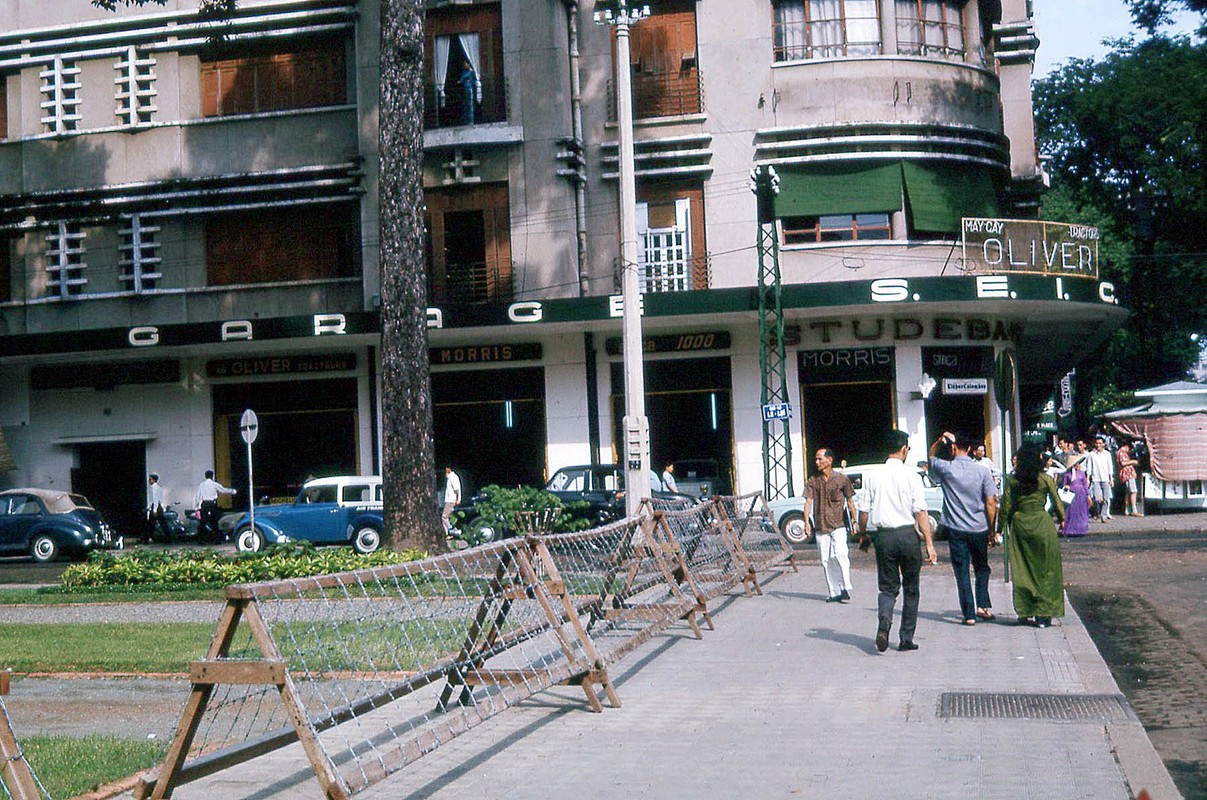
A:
x,y
622,14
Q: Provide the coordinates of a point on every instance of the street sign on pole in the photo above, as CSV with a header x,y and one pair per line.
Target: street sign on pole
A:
x,y
777,411
249,429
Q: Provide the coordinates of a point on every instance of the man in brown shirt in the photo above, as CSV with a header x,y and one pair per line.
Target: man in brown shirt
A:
x,y
826,495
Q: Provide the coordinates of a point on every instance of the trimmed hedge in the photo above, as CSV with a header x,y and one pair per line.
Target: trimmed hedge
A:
x,y
164,569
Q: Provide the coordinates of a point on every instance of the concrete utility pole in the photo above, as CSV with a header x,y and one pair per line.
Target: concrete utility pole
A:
x,y
622,14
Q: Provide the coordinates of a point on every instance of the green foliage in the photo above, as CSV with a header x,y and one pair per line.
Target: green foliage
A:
x,y
69,766
125,647
503,507
1151,14
159,569
1126,136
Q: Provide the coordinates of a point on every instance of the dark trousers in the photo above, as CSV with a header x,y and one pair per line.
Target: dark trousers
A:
x,y
970,548
898,566
207,526
156,519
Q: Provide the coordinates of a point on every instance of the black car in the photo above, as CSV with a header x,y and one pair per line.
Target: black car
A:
x,y
48,524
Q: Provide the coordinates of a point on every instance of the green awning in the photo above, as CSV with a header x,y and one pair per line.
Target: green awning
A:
x,y
940,194
821,189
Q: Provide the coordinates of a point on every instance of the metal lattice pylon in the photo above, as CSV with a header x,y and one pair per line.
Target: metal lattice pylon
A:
x,y
777,444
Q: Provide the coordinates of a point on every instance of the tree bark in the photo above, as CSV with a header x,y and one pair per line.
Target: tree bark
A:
x,y
409,470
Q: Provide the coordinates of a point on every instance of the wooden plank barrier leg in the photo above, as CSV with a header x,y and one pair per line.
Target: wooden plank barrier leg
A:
x,y
660,534
18,776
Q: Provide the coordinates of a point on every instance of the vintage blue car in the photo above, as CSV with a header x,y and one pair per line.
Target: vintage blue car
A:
x,y
340,510
46,524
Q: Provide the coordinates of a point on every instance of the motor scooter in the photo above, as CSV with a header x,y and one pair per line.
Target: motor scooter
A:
x,y
181,524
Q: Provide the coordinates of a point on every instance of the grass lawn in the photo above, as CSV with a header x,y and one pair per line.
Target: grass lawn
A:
x,y
68,766
34,596
107,647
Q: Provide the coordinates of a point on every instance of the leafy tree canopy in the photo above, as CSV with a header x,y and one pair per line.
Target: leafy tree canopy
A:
x,y
1152,14
1126,137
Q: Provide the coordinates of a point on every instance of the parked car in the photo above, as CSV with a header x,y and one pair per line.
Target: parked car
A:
x,y
789,512
341,510
599,486
47,524
700,477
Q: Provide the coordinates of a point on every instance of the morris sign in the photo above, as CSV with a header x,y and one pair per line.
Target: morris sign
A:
x,y
1020,245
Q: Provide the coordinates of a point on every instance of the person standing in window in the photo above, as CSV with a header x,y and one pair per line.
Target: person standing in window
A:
x,y
469,90
206,501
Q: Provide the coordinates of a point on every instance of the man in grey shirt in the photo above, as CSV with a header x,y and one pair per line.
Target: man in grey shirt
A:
x,y
969,510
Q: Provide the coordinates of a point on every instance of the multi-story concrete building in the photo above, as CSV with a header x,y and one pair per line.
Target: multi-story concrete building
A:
x,y
188,228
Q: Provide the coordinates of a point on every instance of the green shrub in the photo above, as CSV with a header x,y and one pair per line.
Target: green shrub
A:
x,y
502,506
159,569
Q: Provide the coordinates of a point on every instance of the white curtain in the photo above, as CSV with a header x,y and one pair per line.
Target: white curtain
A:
x,y
790,29
825,28
909,28
863,27
469,44
440,67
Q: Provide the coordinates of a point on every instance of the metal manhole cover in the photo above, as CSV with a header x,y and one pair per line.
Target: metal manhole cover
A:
x,y
1005,705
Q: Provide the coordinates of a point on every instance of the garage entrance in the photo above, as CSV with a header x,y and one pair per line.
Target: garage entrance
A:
x,y
113,476
307,430
490,426
688,402
847,403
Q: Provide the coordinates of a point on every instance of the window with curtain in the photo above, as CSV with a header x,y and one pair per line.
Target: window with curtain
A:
x,y
930,28
825,29
463,66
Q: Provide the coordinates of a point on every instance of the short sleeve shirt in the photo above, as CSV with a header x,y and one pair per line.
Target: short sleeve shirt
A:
x,y
966,487
892,495
829,497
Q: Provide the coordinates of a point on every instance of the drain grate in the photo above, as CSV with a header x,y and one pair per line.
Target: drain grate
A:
x,y
1003,705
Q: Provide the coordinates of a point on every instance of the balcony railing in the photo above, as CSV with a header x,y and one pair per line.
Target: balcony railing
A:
x,y
470,284
669,275
447,107
662,94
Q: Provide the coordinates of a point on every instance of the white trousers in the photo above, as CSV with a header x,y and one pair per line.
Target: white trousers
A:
x,y
835,560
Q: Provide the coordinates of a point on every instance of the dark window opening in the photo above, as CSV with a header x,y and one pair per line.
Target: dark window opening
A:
x,y
836,228
294,244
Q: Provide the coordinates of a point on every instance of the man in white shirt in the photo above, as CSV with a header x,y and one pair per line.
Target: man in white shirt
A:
x,y
1100,469
155,517
893,505
452,497
206,501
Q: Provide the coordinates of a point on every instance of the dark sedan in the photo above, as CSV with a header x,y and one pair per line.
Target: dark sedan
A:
x,y
48,524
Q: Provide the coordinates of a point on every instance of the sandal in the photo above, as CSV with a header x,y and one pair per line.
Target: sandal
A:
x,y
970,622
985,613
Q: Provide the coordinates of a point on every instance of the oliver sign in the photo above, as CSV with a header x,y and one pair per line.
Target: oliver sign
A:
x,y
1019,245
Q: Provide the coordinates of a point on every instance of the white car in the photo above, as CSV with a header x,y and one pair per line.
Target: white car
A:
x,y
789,512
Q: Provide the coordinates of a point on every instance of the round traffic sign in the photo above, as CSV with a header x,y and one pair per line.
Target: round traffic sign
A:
x,y
249,426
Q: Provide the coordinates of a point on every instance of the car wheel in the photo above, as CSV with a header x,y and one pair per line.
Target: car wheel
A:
x,y
934,527
366,540
44,549
249,540
792,525
481,531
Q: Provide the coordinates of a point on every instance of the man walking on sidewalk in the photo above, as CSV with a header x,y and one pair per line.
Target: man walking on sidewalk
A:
x,y
892,503
969,510
827,495
1100,469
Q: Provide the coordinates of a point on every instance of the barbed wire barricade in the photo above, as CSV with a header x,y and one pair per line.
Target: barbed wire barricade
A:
x,y
371,669
755,531
18,780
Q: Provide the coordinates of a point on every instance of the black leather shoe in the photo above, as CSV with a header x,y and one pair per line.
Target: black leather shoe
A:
x,y
1043,622
845,595
882,639
835,599
905,647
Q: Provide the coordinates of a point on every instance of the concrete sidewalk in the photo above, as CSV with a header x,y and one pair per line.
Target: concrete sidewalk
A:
x,y
789,698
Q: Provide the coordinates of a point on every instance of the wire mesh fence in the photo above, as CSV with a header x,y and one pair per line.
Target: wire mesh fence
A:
x,y
18,781
755,531
369,670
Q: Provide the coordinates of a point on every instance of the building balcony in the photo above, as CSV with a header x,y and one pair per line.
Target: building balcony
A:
x,y
445,108
469,284
662,94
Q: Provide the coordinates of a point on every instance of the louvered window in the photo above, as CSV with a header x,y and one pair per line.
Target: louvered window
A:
x,y
665,246
65,259
135,87
140,261
60,96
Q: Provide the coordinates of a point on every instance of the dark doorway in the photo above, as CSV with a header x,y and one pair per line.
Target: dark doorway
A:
x,y
960,414
113,476
852,419
691,418
307,430
490,426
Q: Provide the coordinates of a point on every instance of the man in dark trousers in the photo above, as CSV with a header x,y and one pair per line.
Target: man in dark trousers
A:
x,y
206,501
969,511
893,506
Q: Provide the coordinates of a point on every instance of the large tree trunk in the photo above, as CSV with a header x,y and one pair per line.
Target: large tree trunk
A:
x,y
409,472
